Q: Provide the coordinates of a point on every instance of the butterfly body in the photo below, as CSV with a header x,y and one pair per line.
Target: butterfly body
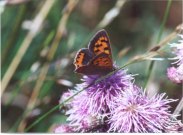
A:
x,y
97,58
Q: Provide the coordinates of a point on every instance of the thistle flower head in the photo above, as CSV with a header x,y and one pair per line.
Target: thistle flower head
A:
x,y
101,94
93,104
79,116
179,50
135,112
64,97
175,74
63,129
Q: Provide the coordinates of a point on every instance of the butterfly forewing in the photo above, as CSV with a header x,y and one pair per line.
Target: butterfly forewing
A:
x,y
100,44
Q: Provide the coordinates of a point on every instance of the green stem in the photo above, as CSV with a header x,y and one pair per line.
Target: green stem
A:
x,y
42,117
25,79
54,108
164,20
14,33
151,66
13,129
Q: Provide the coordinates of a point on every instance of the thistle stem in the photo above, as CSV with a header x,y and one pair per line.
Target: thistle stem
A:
x,y
152,63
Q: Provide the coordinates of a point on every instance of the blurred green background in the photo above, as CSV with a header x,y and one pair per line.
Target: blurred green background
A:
x,y
135,29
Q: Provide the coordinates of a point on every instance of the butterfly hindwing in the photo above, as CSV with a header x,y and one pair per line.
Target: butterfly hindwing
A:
x,y
102,60
100,64
100,44
82,57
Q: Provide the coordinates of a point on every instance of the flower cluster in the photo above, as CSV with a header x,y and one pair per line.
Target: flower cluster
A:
x,y
175,74
116,104
135,112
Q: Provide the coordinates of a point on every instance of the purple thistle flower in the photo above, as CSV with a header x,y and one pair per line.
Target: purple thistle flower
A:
x,y
90,108
64,97
63,129
101,94
174,127
115,104
79,116
175,74
135,112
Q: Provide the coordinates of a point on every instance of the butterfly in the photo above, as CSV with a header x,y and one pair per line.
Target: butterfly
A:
x,y
97,58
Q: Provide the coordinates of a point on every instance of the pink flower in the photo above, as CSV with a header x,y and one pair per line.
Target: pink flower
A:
x,y
175,73
115,104
135,112
63,129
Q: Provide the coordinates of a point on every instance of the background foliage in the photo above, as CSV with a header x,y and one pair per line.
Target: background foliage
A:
x,y
135,29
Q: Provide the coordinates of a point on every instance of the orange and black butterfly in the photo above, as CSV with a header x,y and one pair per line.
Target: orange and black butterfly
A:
x,y
97,58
